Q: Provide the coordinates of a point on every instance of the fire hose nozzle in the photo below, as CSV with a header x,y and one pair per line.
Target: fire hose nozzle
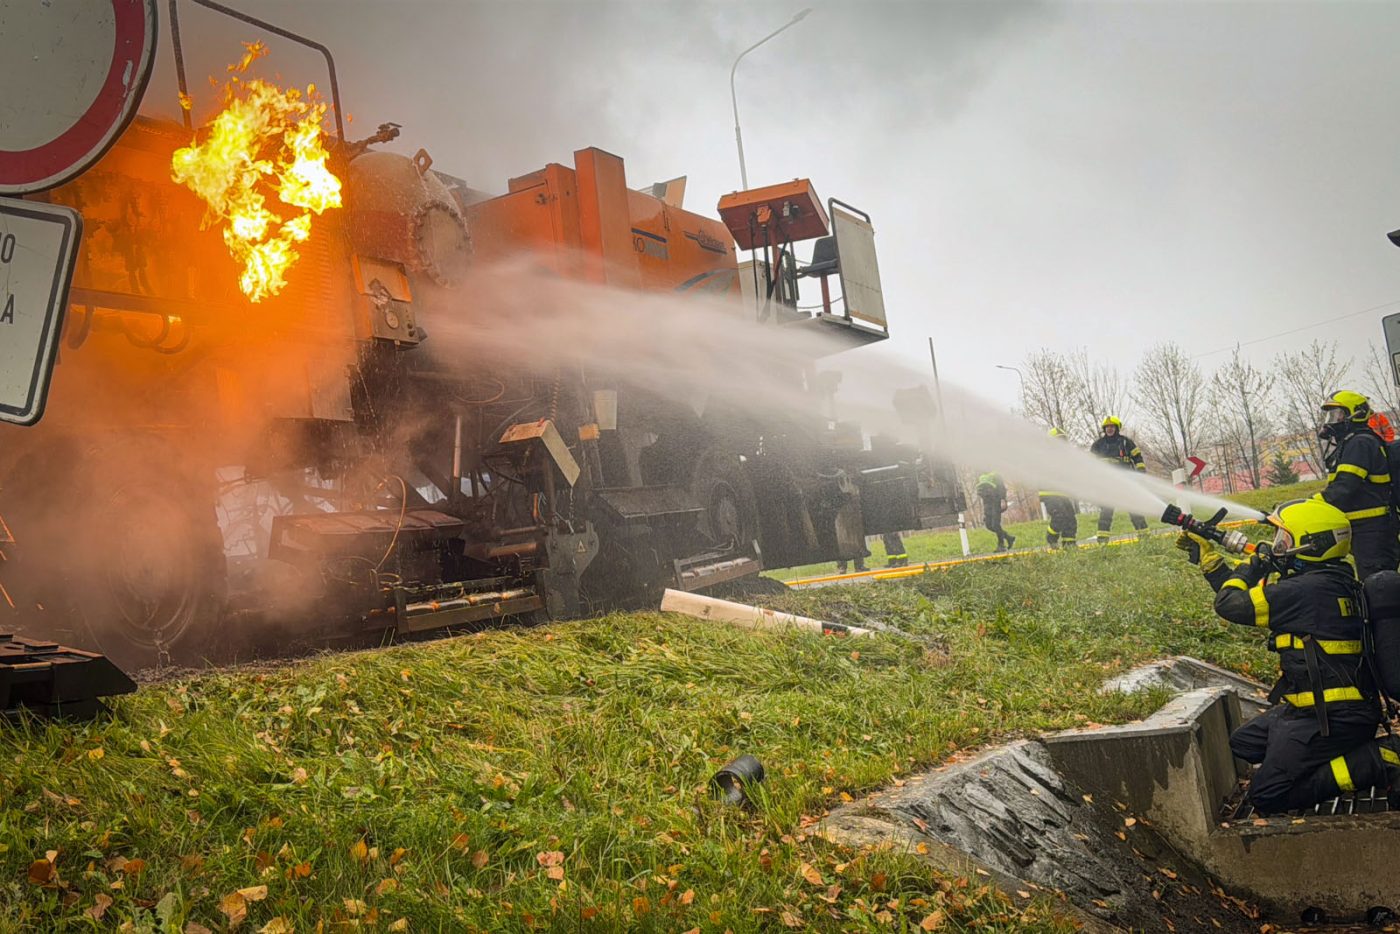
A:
x,y
1230,540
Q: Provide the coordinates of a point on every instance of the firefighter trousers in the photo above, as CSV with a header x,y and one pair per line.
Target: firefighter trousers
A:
x,y
1374,546
1295,760
1106,521
1064,522
991,516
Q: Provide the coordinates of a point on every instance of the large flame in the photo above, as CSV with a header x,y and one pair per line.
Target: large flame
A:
x,y
266,146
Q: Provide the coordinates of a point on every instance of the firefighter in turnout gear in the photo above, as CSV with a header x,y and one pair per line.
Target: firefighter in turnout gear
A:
x,y
1113,446
992,491
1319,739
1358,482
1063,529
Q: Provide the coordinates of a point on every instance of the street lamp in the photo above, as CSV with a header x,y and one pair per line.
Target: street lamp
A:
x,y
1018,376
734,98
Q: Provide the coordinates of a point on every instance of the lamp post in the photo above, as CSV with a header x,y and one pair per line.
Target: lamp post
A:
x,y
734,97
1018,376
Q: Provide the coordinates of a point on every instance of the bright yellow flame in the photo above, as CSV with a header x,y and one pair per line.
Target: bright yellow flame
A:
x,y
266,144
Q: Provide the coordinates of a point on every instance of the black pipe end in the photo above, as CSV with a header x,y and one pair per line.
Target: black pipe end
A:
x,y
732,781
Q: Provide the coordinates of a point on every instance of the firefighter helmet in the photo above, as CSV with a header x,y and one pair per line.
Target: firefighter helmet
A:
x,y
1113,420
1346,406
1057,433
1312,530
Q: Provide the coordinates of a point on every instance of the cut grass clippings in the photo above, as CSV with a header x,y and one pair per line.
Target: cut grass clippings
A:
x,y
556,777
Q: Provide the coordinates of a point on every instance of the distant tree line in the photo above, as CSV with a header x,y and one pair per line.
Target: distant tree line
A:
x,y
1239,418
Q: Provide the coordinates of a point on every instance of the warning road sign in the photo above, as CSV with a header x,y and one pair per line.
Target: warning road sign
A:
x,y
37,246
72,75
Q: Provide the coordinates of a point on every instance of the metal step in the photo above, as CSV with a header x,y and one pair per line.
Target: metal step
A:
x,y
55,680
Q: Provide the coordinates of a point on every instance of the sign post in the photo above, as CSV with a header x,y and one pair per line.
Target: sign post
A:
x,y
37,245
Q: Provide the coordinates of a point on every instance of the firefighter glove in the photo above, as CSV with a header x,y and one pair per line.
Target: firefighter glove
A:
x,y
1199,551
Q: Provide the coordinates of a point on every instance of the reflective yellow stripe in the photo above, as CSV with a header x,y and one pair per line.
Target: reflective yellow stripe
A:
x,y
1331,696
1135,452
1342,775
1234,583
1369,513
1330,646
1379,478
1347,606
1361,472
1390,755
1261,604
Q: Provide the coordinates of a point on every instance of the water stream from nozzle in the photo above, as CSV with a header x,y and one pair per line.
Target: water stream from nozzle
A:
x,y
710,352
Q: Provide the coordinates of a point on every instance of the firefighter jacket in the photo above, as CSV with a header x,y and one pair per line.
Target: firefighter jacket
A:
x,y
1118,450
1313,617
1359,480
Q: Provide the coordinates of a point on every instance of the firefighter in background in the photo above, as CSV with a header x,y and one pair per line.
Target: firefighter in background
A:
x,y
1116,448
1319,738
1063,527
992,492
1359,481
895,554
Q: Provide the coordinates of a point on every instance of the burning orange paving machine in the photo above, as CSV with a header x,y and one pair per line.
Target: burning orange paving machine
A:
x,y
216,473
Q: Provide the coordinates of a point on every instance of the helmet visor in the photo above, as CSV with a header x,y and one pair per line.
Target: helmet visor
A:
x,y
1333,415
1283,541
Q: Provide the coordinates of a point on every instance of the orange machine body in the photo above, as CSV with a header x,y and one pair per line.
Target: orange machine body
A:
x,y
586,223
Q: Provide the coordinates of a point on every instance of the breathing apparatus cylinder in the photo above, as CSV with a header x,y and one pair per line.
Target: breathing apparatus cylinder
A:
x,y
1382,591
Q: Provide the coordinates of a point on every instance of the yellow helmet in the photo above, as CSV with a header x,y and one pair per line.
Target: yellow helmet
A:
x,y
1346,405
1113,420
1311,530
1057,433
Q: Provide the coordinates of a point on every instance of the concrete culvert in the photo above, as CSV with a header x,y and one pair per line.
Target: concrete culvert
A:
x,y
1128,822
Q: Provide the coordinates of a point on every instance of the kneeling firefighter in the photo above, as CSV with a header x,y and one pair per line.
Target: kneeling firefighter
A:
x,y
1359,482
1063,528
1121,451
1319,739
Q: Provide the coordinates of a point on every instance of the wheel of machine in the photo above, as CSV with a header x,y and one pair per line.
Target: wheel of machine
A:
x,y
730,519
118,543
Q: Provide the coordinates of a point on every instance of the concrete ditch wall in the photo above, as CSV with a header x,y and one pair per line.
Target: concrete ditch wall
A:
x,y
1052,814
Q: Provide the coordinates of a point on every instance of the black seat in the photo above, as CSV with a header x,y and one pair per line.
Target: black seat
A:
x,y
825,260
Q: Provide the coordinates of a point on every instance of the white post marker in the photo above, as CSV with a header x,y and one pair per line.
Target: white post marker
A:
x,y
37,245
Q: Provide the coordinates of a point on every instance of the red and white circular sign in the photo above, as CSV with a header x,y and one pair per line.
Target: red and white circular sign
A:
x,y
72,73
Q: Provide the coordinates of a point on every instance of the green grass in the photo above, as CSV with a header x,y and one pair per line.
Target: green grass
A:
x,y
555,778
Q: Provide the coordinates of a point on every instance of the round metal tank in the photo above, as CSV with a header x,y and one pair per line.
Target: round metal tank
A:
x,y
402,212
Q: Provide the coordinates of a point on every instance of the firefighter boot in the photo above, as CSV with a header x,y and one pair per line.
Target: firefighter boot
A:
x,y
1373,765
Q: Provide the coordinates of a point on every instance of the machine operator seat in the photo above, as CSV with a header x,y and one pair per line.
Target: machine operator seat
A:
x,y
825,260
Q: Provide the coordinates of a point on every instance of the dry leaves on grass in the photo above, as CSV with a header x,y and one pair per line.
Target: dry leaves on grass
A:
x,y
235,904
553,863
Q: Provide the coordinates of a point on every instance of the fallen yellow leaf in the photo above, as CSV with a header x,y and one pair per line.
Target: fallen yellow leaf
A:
x,y
278,925
810,873
101,903
360,851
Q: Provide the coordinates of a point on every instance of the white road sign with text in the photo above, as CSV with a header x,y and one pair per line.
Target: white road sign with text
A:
x,y
37,245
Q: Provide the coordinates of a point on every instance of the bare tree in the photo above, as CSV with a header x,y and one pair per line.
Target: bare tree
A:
x,y
1305,378
1050,391
1240,398
1380,383
1170,392
1101,391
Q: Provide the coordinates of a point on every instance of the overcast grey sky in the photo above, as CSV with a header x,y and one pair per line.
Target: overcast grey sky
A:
x,y
1054,175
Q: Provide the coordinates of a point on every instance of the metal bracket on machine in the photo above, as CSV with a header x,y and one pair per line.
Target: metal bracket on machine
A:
x,y
53,680
570,554
548,436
